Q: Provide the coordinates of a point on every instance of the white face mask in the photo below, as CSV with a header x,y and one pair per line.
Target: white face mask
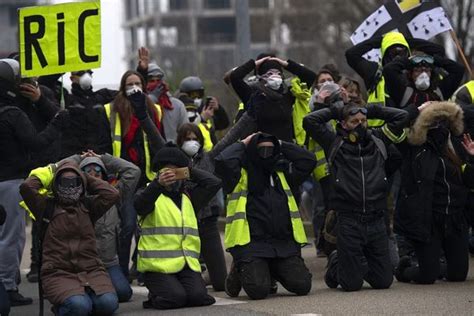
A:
x,y
197,102
191,147
422,82
274,82
133,89
85,81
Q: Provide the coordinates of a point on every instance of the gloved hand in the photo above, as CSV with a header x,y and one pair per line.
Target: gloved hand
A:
x,y
336,109
61,120
138,101
3,214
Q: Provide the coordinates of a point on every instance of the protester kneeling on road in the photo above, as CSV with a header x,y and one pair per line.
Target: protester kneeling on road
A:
x,y
264,232
356,156
124,176
169,245
435,180
76,284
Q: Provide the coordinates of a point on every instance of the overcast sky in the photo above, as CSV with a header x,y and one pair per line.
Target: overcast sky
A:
x,y
113,47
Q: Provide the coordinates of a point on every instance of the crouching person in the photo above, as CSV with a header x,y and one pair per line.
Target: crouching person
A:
x,y
357,157
124,176
264,232
169,245
73,278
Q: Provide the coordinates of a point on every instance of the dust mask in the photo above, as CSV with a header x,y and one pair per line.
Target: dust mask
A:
x,y
191,147
274,82
85,81
422,82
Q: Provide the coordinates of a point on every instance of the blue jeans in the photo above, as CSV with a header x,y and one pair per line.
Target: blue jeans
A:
x,y
120,282
128,224
4,301
83,305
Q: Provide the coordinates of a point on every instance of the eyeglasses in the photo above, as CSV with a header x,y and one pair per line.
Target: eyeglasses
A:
x,y
420,60
69,182
96,168
354,111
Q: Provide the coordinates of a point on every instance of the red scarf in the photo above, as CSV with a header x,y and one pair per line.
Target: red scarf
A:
x,y
132,132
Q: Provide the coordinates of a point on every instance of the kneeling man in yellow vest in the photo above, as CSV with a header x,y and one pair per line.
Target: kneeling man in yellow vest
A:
x,y
169,245
264,232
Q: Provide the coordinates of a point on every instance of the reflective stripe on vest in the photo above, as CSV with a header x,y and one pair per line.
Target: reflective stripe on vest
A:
x,y
237,232
169,238
117,140
377,96
205,128
470,89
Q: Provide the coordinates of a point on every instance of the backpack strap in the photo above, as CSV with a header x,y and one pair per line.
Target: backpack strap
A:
x,y
406,96
380,145
335,146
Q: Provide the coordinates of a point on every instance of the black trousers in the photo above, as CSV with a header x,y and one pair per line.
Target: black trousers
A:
x,y
212,252
447,236
362,253
256,275
183,289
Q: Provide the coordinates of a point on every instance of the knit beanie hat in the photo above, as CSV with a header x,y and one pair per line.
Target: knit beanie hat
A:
x,y
170,154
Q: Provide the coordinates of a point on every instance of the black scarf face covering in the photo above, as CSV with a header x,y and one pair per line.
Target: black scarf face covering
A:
x,y
261,162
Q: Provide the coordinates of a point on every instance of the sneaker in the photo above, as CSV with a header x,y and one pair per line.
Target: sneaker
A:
x,y
33,275
405,262
332,263
16,299
273,286
232,282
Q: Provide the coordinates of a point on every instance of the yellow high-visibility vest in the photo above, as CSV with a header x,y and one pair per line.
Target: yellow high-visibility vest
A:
x,y
169,238
237,231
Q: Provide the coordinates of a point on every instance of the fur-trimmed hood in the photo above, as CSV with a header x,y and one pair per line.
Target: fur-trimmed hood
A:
x,y
435,112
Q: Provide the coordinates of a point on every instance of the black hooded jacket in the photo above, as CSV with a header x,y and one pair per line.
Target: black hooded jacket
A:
x,y
358,170
89,127
274,114
267,210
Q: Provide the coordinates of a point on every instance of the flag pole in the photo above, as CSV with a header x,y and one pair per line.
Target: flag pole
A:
x,y
461,53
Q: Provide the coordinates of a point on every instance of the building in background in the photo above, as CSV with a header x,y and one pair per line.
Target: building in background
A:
x,y
9,24
199,36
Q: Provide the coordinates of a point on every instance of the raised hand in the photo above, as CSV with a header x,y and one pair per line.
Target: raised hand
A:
x,y
143,58
468,144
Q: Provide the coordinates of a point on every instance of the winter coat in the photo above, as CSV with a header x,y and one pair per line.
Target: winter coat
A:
x,y
267,212
274,116
40,113
89,127
431,182
357,171
403,91
18,139
70,258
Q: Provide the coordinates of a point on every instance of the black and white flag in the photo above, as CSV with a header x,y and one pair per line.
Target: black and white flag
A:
x,y
413,18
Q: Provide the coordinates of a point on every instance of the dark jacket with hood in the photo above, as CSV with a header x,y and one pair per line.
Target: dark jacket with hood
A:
x,y
274,108
431,182
89,127
271,233
357,171
70,258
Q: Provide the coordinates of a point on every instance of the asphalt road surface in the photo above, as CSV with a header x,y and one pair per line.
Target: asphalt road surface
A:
x,y
442,298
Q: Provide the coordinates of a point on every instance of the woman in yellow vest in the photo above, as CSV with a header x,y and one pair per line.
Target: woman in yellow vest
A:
x,y
169,246
134,120
264,232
